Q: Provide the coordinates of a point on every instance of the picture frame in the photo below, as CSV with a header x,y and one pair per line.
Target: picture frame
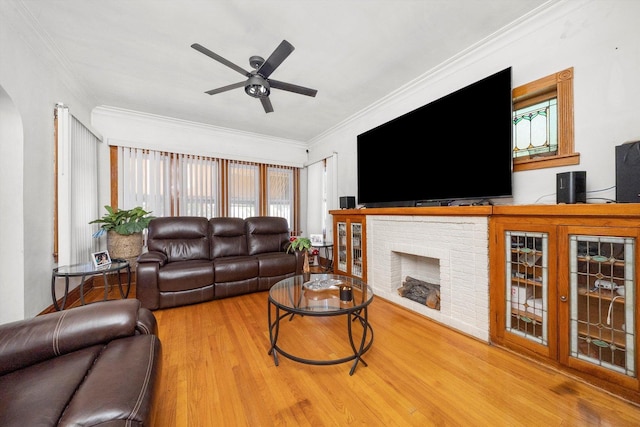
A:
x,y
101,259
316,238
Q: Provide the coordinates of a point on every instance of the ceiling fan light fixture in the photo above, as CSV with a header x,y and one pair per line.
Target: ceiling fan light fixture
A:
x,y
257,87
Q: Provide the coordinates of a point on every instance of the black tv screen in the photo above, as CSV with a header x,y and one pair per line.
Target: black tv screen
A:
x,y
455,148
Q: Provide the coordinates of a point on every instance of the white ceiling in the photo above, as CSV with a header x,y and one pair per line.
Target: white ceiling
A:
x,y
136,54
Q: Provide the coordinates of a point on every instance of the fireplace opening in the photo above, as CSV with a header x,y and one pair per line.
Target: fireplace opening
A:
x,y
421,292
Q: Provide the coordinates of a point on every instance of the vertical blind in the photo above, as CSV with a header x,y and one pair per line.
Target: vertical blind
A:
x,y
197,190
77,188
143,177
169,184
244,189
280,192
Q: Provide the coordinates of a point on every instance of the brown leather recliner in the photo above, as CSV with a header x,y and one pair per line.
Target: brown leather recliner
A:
x,y
193,259
97,364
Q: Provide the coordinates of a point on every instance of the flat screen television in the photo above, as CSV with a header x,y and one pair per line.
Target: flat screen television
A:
x,y
453,149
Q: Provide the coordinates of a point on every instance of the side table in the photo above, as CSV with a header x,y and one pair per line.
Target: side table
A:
x,y
328,254
87,270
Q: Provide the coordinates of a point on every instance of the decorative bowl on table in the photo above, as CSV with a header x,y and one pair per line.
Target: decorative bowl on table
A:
x,y
322,284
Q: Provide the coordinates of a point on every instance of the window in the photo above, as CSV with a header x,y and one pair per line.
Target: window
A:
x,y
243,189
169,184
280,192
543,134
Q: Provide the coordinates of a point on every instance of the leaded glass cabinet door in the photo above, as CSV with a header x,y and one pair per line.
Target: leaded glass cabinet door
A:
x,y
356,249
525,290
342,247
602,314
527,293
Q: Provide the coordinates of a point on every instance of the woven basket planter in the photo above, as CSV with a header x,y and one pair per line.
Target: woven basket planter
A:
x,y
125,247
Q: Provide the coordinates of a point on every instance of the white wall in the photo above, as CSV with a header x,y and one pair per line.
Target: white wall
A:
x,y
600,39
32,81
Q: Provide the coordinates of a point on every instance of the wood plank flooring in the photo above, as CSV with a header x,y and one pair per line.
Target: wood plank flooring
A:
x,y
216,372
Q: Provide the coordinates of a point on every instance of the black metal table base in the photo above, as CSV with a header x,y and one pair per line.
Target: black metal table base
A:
x,y
360,316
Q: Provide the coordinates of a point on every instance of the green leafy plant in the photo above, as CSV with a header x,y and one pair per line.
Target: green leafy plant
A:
x,y
123,221
299,244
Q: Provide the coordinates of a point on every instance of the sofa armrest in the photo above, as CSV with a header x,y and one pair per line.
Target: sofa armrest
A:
x,y
146,323
153,256
147,284
147,276
29,341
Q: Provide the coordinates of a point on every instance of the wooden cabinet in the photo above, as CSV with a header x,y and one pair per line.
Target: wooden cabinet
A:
x,y
349,249
564,288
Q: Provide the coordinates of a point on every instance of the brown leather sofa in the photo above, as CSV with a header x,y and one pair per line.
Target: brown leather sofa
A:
x,y
195,259
97,364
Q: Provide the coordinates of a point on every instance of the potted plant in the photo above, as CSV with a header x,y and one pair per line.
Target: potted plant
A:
x,y
124,231
301,244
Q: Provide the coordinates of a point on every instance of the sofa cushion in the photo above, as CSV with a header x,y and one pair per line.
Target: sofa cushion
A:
x,y
235,268
276,264
103,397
180,240
184,275
39,393
227,237
266,234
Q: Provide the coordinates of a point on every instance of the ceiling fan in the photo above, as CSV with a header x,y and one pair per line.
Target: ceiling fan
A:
x,y
258,83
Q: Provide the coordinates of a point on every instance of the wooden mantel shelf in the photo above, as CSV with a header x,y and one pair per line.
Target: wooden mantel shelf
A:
x,y
426,210
617,210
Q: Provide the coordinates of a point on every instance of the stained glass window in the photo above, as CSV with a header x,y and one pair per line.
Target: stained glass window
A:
x,y
535,129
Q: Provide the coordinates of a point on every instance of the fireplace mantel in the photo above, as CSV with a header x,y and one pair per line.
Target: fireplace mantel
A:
x,y
425,210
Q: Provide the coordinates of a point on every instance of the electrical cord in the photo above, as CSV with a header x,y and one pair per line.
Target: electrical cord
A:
x,y
610,307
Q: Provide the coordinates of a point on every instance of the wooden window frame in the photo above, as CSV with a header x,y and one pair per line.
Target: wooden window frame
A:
x,y
558,85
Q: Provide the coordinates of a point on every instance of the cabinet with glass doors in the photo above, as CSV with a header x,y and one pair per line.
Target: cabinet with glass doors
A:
x,y
564,288
350,247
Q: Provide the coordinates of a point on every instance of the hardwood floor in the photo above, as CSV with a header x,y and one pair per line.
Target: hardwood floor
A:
x,y
216,371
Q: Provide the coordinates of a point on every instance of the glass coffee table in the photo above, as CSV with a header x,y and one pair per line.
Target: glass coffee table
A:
x,y
322,295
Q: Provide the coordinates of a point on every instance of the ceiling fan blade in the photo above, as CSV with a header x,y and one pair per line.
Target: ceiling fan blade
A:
x,y
220,59
266,104
225,88
292,88
280,54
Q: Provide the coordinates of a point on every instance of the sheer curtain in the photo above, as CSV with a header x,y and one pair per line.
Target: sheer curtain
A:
x,y
77,188
315,198
321,197
331,194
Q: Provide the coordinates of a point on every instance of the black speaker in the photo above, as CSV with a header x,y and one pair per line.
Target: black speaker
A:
x,y
628,172
347,202
571,187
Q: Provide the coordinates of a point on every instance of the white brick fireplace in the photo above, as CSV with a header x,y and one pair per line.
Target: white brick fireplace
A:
x,y
451,251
